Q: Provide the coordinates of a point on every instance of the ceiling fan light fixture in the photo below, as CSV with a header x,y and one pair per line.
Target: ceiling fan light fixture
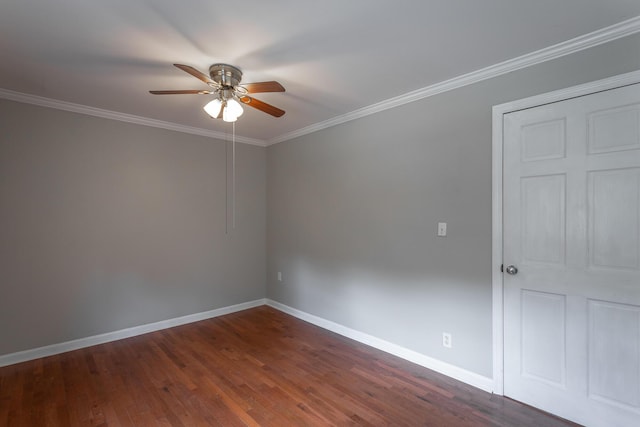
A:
x,y
234,107
213,108
231,109
227,116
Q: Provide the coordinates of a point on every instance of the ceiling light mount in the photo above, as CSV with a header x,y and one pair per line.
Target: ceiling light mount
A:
x,y
225,75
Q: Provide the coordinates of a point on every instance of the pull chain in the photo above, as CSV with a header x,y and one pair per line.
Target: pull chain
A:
x,y
226,184
233,178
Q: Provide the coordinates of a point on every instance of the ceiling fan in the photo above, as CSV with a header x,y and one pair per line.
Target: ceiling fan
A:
x,y
224,80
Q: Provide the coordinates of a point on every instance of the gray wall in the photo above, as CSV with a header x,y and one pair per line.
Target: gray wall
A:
x,y
106,225
352,212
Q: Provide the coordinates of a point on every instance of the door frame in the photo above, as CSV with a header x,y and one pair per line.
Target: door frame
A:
x,y
497,181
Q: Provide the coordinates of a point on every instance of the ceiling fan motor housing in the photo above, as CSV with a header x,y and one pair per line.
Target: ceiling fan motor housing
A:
x,y
226,75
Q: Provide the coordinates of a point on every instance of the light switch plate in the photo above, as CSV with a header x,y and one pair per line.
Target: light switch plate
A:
x,y
442,229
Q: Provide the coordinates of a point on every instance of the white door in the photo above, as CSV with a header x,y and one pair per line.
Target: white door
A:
x,y
571,195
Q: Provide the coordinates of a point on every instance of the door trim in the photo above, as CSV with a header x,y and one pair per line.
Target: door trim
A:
x,y
497,177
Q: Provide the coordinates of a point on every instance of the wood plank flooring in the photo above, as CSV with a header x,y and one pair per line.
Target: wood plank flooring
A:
x,y
258,367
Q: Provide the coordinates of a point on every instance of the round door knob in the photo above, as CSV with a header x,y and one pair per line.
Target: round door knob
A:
x,y
512,269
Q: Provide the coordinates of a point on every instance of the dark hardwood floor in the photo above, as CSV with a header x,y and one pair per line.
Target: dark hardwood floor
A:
x,y
258,367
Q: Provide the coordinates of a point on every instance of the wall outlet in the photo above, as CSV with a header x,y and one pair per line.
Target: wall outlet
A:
x,y
279,276
446,340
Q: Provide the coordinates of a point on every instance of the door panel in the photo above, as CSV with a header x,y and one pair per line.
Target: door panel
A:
x,y
543,141
614,218
614,349
571,218
543,338
543,219
614,129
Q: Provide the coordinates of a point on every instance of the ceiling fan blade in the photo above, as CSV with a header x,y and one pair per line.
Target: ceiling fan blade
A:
x,y
263,87
181,92
262,106
197,74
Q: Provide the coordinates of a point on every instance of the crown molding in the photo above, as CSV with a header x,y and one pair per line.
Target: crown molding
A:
x,y
123,117
604,35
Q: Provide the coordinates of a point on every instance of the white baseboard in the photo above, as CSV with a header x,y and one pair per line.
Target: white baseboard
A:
x,y
444,368
468,377
50,350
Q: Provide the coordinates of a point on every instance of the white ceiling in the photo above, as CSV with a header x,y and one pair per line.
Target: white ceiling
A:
x,y
332,56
